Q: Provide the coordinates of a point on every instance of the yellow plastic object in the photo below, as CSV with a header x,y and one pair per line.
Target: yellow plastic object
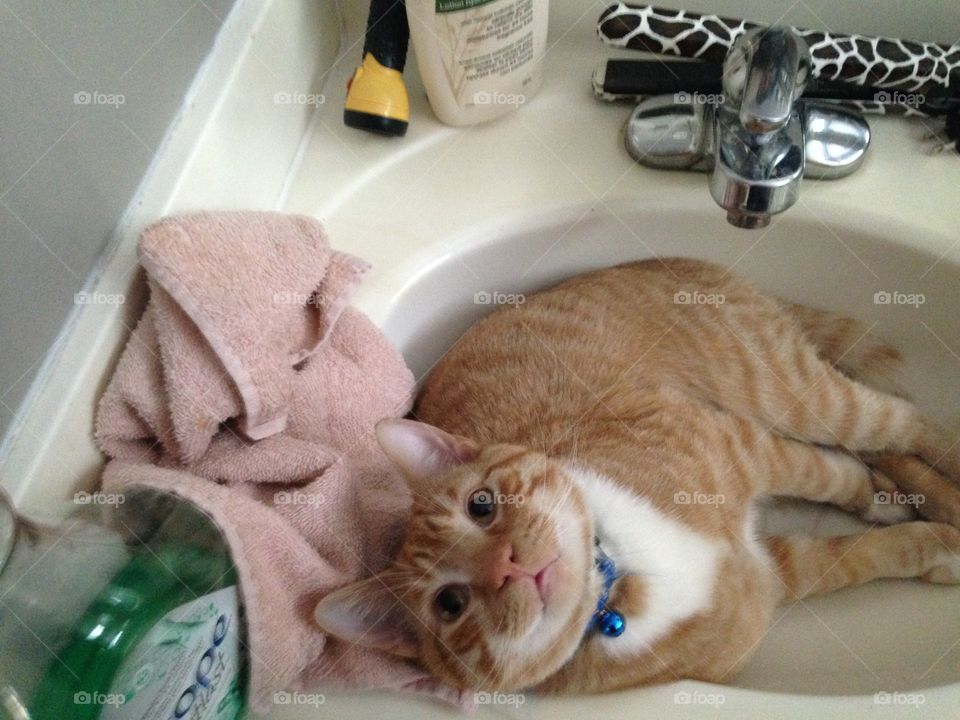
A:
x,y
377,99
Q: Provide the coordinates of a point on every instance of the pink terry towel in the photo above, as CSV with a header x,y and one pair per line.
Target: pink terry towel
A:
x,y
250,389
254,294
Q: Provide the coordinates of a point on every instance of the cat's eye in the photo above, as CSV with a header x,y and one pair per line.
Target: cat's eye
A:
x,y
451,601
481,507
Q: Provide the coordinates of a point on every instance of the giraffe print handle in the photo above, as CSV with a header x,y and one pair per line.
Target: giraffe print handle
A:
x,y
903,66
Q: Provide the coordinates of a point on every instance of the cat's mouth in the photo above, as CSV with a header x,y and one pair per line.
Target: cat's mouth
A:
x,y
544,580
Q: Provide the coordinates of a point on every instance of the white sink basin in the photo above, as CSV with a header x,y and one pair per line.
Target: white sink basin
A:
x,y
831,654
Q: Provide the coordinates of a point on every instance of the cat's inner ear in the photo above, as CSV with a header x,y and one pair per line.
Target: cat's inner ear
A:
x,y
368,613
422,451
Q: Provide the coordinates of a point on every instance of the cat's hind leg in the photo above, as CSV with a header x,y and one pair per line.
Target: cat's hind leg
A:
x,y
779,377
848,345
782,467
808,565
851,347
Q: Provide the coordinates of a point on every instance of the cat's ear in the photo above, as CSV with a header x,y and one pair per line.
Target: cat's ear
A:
x,y
422,451
368,613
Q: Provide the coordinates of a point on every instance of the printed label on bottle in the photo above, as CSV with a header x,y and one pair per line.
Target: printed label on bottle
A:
x,y
187,667
488,50
454,5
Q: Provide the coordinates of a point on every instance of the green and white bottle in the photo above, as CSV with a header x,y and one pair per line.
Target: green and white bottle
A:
x,y
135,619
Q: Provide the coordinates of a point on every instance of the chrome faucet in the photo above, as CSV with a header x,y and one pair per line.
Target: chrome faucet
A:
x,y
759,138
758,130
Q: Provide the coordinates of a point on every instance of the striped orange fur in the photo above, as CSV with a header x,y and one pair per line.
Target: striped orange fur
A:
x,y
651,400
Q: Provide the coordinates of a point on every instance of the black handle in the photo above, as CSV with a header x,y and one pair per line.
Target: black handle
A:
x,y
387,34
640,78
653,77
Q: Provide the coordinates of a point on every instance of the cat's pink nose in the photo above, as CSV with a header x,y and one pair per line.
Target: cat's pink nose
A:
x,y
502,566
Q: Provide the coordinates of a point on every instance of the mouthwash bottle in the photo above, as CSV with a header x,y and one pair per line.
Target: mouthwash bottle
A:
x,y
137,620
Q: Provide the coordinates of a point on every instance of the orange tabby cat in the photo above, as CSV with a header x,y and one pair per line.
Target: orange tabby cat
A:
x,y
584,520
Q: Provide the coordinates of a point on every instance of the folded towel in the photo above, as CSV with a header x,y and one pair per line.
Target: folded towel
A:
x,y
249,389
238,300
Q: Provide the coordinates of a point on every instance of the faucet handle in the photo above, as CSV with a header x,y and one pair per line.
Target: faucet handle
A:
x,y
765,71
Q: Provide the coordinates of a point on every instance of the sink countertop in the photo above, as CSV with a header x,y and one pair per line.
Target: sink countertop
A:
x,y
402,203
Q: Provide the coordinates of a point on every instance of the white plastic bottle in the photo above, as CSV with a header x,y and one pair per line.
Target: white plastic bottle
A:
x,y
479,59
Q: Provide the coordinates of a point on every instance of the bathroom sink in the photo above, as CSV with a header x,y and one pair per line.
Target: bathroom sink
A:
x,y
857,652
509,207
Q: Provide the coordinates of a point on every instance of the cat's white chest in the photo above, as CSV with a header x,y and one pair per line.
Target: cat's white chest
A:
x,y
678,564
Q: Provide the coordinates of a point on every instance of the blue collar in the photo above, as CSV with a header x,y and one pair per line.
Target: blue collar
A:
x,y
607,620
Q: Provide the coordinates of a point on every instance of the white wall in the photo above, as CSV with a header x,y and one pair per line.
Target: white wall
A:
x,y
68,169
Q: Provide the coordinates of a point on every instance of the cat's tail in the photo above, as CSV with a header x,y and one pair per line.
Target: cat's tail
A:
x,y
853,349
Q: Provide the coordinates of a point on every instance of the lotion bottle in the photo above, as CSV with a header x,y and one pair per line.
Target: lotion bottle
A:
x,y
479,59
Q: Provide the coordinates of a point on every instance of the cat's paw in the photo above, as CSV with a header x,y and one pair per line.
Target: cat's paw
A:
x,y
886,509
888,505
946,574
945,560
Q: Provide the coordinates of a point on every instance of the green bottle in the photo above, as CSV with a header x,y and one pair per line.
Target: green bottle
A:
x,y
158,635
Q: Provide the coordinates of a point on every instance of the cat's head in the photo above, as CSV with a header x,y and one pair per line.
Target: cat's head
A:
x,y
494,584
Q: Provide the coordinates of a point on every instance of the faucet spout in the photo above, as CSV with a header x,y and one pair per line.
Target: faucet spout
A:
x,y
766,72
